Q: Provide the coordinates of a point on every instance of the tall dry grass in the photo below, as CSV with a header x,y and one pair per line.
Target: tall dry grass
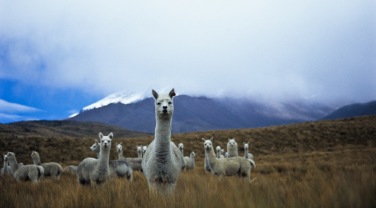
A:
x,y
343,178
314,164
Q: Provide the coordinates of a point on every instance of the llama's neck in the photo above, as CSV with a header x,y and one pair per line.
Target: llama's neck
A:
x,y
218,153
120,155
192,160
246,153
36,160
233,151
207,160
211,157
13,164
103,163
163,139
5,168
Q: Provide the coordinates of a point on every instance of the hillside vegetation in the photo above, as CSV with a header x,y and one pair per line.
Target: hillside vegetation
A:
x,y
313,164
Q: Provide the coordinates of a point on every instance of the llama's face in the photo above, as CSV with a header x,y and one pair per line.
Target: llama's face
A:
x,y
181,146
106,142
139,149
246,146
119,148
232,143
144,148
95,147
5,157
10,155
208,145
33,154
218,148
193,154
164,106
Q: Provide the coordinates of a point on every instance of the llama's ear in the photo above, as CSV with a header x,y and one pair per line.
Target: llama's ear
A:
x,y
155,94
203,139
211,139
172,93
100,135
111,135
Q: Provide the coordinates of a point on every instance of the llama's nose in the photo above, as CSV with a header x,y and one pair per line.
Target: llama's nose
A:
x,y
164,107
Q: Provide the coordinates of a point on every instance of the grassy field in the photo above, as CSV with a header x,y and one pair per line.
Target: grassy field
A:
x,y
316,164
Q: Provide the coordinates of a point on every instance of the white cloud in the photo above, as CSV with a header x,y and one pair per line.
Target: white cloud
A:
x,y
274,49
8,107
10,112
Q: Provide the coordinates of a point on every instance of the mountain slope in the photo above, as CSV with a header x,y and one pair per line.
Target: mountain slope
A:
x,y
62,129
358,109
203,113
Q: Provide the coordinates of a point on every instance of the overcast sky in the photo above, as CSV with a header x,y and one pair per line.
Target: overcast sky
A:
x,y
59,56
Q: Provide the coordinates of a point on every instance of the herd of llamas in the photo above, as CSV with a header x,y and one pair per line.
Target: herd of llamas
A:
x,y
161,161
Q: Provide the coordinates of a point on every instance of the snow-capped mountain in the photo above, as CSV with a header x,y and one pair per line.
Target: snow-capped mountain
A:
x,y
124,97
199,113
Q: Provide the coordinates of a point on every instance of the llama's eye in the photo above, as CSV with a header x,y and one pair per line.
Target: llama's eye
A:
x,y
169,103
158,103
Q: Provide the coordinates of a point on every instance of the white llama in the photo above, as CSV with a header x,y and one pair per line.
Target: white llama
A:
x,y
6,168
207,167
181,148
162,161
71,169
119,150
219,152
139,151
185,159
248,155
231,166
91,170
144,148
95,147
189,165
135,163
52,169
121,168
232,148
24,172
